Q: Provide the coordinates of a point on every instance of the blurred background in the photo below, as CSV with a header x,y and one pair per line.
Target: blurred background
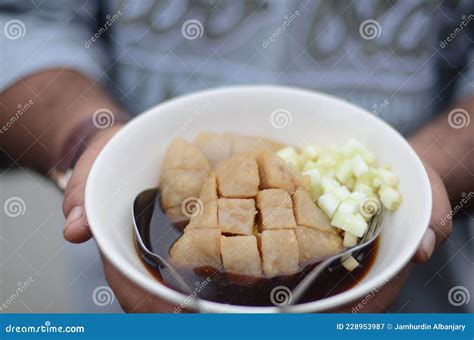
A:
x,y
56,276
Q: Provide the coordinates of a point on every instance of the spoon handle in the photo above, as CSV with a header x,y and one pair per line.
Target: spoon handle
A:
x,y
301,288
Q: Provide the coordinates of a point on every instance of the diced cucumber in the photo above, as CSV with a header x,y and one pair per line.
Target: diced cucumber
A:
x,y
388,177
328,158
329,203
309,165
357,196
350,240
344,171
311,151
350,184
359,166
350,263
316,189
352,147
342,178
289,155
376,182
348,207
316,192
315,175
341,192
390,197
329,184
363,188
353,223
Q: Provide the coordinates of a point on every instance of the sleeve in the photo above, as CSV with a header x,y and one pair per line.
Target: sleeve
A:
x,y
454,51
465,81
36,36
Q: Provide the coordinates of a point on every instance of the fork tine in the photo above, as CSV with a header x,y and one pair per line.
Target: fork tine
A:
x,y
368,234
375,225
378,225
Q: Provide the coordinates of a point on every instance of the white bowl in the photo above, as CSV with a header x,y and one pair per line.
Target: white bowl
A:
x,y
131,162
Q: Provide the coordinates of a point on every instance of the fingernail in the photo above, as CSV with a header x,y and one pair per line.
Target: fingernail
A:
x,y
74,214
428,242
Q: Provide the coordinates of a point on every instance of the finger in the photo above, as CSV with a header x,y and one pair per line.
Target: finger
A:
x,y
440,226
441,222
76,228
426,248
132,298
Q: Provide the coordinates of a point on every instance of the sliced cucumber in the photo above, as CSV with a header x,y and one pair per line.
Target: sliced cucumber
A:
x,y
350,240
350,263
391,198
353,223
289,155
329,203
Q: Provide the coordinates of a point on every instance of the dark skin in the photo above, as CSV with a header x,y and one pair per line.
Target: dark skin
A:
x,y
53,117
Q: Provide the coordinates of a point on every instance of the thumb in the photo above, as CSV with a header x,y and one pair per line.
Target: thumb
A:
x,y
76,228
439,228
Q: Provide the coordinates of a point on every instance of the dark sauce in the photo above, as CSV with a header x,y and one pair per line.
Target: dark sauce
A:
x,y
211,284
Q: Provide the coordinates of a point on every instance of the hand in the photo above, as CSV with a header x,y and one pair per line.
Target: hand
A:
x,y
379,301
76,229
131,297
440,227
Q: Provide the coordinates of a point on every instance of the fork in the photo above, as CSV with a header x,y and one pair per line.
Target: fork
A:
x,y
370,236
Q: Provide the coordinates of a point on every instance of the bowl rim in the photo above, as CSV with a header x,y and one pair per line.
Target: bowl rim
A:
x,y
172,296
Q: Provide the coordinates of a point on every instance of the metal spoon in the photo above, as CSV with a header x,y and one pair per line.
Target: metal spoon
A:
x,y
147,212
370,236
